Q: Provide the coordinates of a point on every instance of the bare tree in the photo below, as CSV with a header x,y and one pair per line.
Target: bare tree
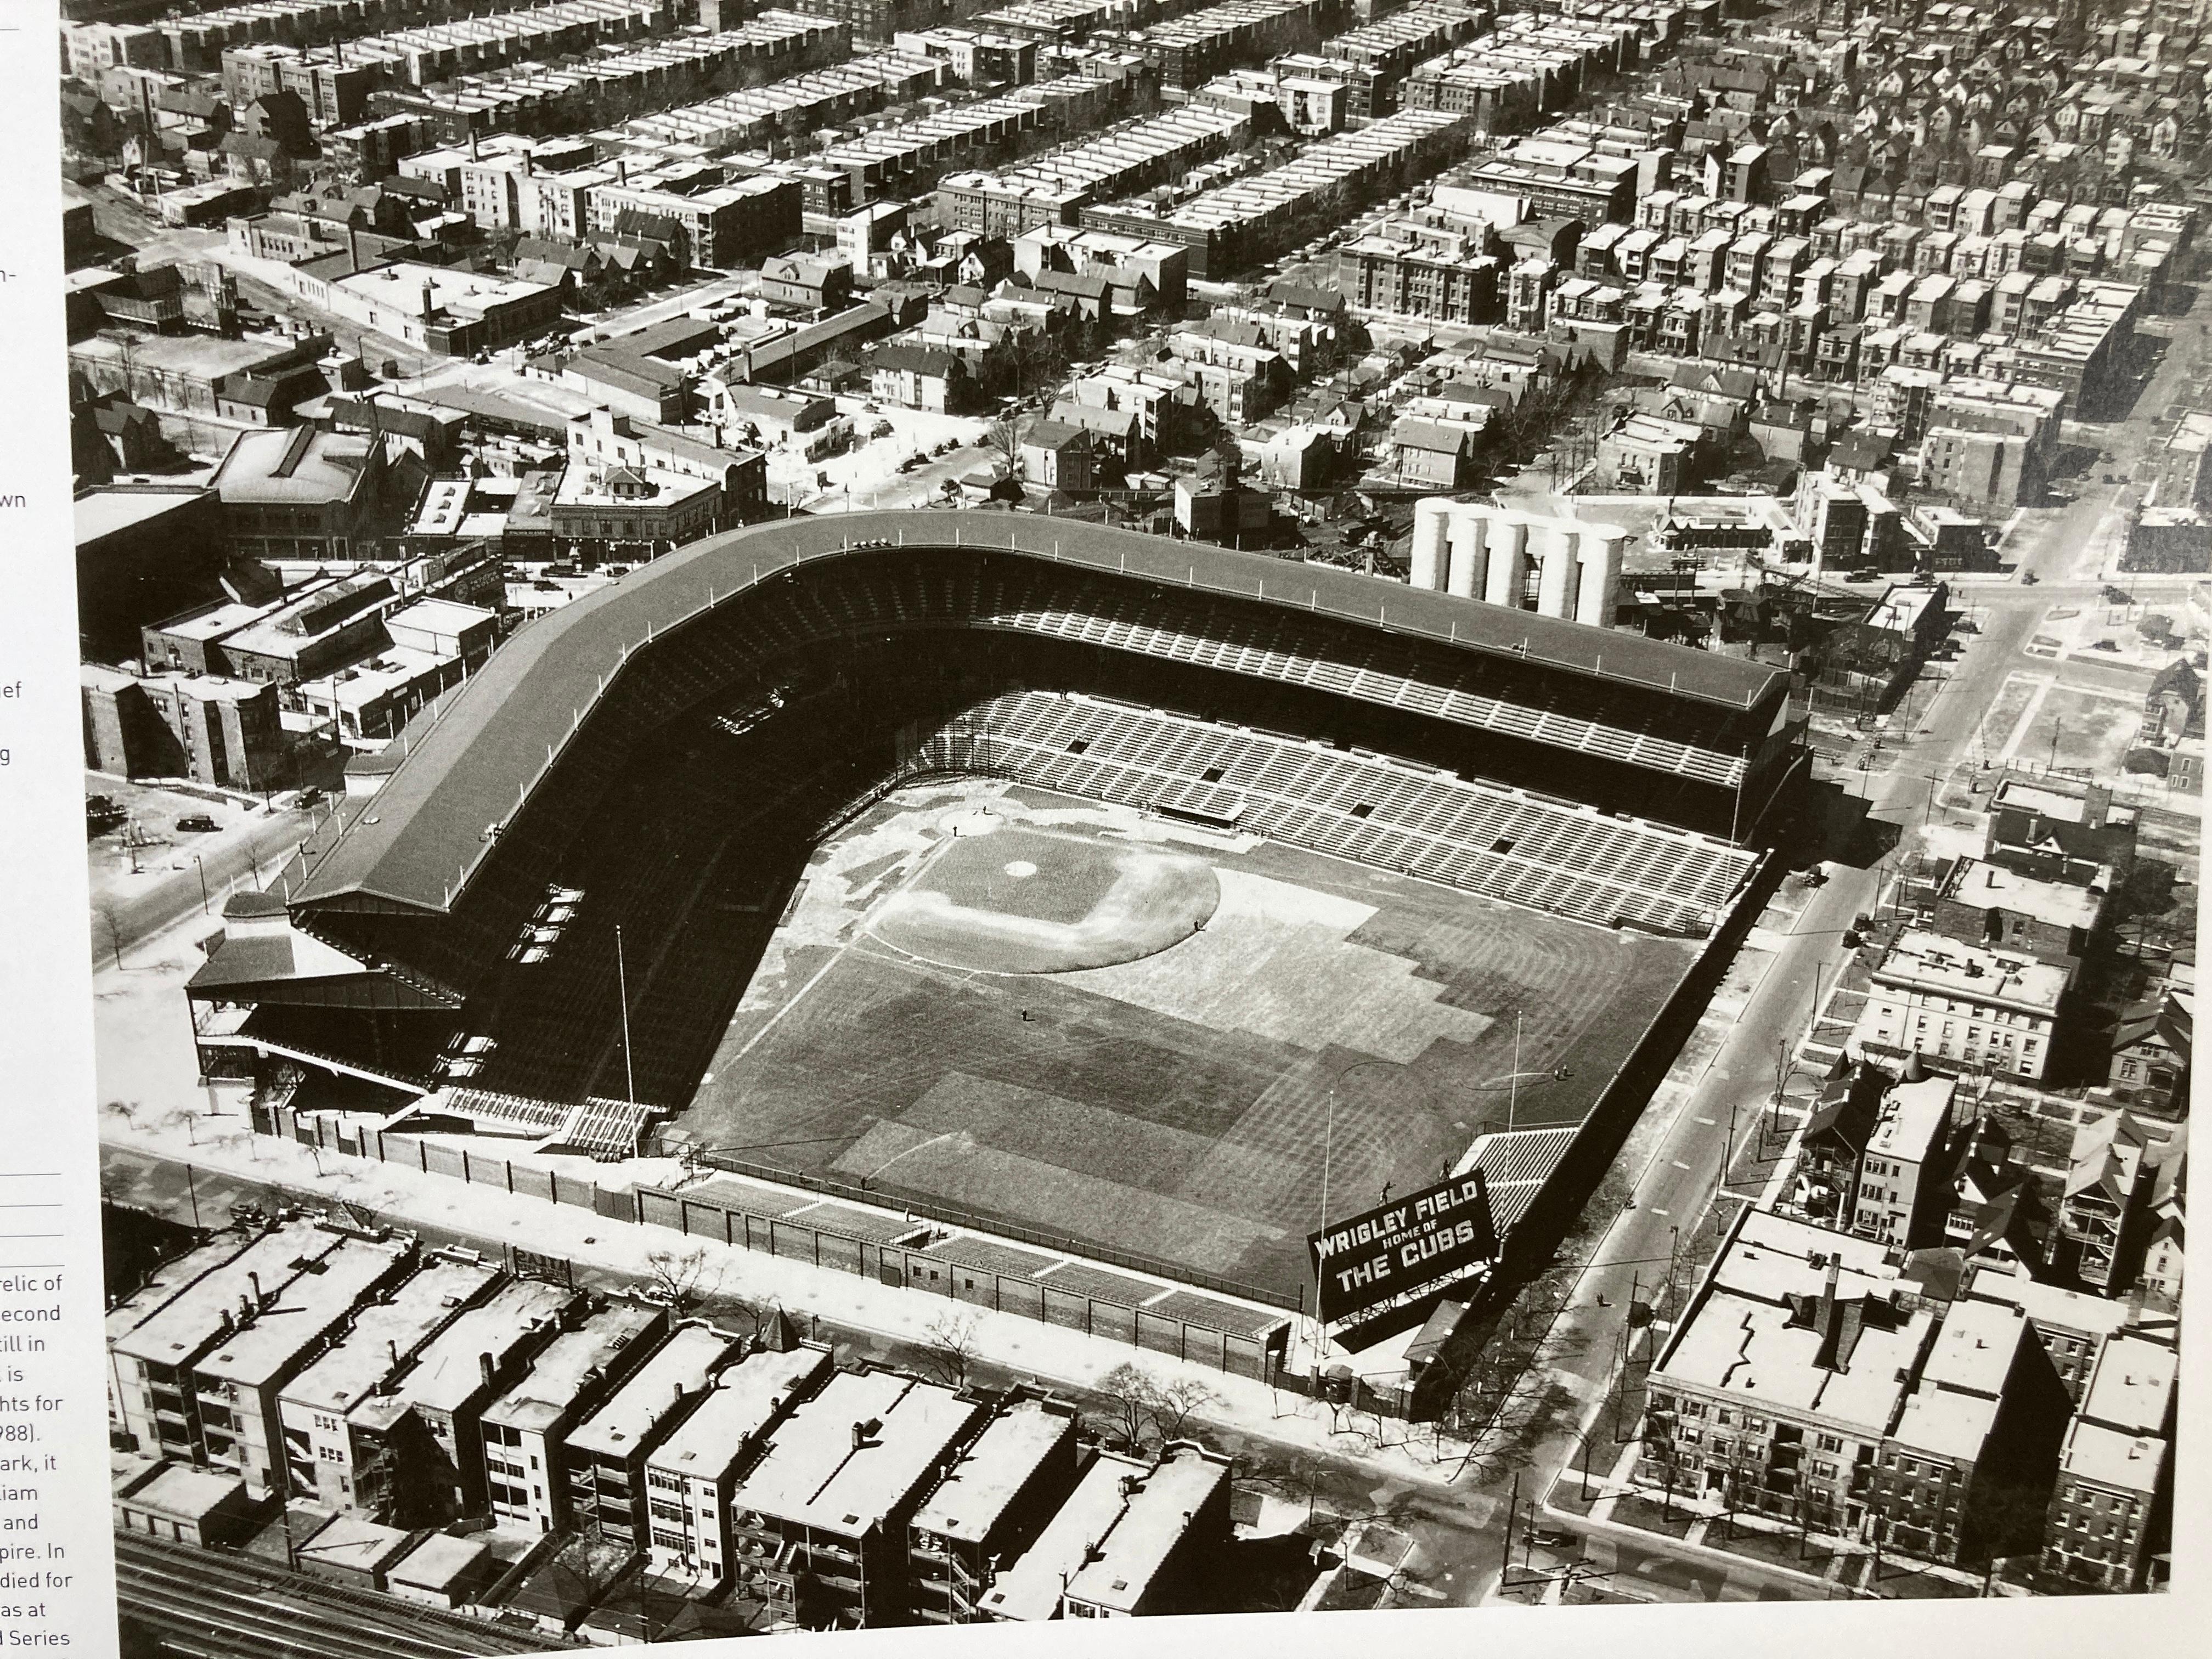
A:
x,y
1148,1413
949,1354
682,1279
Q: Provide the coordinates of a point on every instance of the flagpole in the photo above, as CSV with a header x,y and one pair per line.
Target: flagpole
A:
x,y
1513,1083
622,979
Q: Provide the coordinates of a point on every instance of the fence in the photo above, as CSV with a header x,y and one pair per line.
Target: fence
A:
x,y
914,1256
912,1252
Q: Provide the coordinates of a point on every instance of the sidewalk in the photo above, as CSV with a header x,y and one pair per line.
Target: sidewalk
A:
x,y
1700,1530
151,1103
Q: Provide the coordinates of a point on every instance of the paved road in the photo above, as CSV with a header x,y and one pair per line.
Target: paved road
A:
x,y
2067,549
231,1607
195,876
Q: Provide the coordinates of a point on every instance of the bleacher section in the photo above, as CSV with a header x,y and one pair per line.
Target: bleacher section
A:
x,y
1553,856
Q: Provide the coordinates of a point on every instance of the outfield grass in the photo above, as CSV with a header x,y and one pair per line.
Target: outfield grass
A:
x,y
1180,1099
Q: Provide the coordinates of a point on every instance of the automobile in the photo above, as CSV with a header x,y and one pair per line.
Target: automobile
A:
x,y
1554,1538
2028,578
311,796
2104,644
101,815
198,824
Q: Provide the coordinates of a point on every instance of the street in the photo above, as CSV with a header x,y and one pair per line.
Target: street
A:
x,y
181,879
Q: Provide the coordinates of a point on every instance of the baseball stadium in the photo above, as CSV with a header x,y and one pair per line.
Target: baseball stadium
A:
x,y
1154,899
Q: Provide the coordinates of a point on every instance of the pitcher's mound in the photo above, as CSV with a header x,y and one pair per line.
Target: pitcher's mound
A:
x,y
1026,902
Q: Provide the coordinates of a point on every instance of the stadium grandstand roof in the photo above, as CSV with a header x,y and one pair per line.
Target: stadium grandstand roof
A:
x,y
472,758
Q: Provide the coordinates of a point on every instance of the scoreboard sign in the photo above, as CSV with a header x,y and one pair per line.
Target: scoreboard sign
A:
x,y
1402,1245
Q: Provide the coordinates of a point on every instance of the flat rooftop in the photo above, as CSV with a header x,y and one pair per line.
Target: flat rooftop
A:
x,y
302,1313
571,1363
1930,963
677,1369
1031,1590
1744,1336
2132,1388
364,1358
2128,1463
748,1399
102,513
186,1492
828,1469
993,1470
1155,1519
1912,1118
185,1325
450,1372
1994,887
2054,803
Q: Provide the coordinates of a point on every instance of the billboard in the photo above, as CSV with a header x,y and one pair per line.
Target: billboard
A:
x,y
1402,1245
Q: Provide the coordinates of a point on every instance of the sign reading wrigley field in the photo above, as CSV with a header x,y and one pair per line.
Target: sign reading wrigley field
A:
x,y
1402,1245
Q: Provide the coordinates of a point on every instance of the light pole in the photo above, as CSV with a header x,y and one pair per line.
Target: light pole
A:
x,y
202,869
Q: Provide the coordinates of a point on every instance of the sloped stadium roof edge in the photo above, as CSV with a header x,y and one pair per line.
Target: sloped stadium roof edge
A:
x,y
474,756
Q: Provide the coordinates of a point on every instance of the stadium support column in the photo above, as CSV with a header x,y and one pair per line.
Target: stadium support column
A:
x,y
1509,560
1467,526
1432,517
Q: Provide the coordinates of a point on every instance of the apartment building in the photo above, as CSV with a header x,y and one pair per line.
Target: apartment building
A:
x,y
329,1462
824,1514
2109,1512
525,1429
2073,1326
991,1504
1903,1192
602,1460
1993,904
422,1437
240,1386
212,1302
183,1313
690,1476
1958,1003
1810,1382
1173,1524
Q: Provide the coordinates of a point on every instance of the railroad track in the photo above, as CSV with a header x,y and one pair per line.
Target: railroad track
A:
x,y
229,1606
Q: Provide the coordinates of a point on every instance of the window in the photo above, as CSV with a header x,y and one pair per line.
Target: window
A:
x,y
1828,1442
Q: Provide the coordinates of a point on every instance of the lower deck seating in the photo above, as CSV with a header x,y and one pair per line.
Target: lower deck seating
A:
x,y
1549,856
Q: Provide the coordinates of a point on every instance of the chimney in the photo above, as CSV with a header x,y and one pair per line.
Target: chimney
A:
x,y
487,1369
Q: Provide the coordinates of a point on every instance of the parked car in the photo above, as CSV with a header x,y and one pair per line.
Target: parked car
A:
x,y
311,796
198,824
